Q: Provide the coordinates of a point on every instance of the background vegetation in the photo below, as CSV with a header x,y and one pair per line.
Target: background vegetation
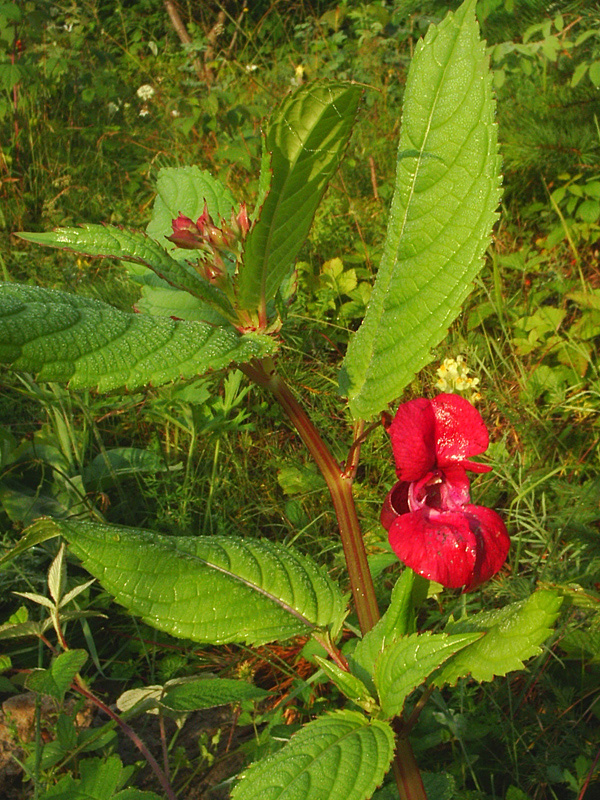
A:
x,y
96,97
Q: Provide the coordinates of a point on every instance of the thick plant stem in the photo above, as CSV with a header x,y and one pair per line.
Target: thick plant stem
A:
x,y
340,487
406,772
339,482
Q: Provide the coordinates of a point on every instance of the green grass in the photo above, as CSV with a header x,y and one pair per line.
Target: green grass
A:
x,y
227,449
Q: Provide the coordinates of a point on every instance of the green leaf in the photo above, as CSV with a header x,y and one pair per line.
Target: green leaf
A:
x,y
63,337
307,137
513,634
351,686
208,693
340,756
100,780
36,534
108,467
447,190
595,73
208,588
397,621
161,300
57,576
180,190
56,680
184,190
110,241
406,663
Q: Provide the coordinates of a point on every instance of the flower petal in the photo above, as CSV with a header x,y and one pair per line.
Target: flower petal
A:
x,y
459,432
413,433
494,543
454,548
395,504
437,545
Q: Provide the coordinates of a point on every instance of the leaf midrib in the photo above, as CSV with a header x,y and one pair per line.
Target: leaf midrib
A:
x,y
259,590
409,200
272,228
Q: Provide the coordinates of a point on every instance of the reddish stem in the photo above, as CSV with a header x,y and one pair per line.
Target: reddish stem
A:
x,y
152,762
339,482
339,485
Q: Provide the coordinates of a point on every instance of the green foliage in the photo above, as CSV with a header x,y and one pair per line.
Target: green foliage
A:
x,y
513,634
208,693
265,591
100,780
341,756
74,147
447,190
90,344
56,680
306,139
405,663
136,247
398,621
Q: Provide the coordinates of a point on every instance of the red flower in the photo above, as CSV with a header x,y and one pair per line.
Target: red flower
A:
x,y
433,528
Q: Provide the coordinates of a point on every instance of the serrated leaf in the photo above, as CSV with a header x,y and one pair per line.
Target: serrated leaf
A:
x,y
17,630
208,588
73,593
513,634
110,241
340,756
351,686
56,680
406,663
57,576
307,137
209,693
447,190
36,598
397,621
63,337
184,190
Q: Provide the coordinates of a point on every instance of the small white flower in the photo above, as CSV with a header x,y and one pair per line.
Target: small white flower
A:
x,y
175,112
251,67
145,92
144,112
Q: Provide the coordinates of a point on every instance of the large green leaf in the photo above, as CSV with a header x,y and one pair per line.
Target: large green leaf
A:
x,y
63,337
307,137
513,634
447,190
110,241
208,588
404,665
341,756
